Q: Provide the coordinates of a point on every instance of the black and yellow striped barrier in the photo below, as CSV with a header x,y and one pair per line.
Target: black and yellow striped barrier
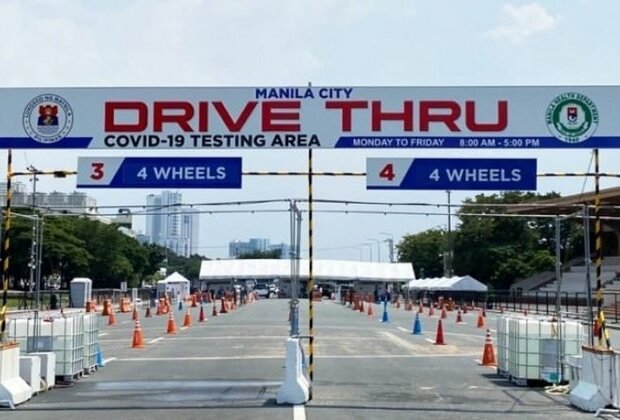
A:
x,y
6,235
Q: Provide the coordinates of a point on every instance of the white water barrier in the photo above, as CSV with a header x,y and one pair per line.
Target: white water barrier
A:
x,y
295,389
594,389
13,389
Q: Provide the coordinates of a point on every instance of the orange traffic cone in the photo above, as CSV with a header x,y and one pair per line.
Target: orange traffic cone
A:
x,y
459,319
111,318
158,312
596,328
371,312
148,312
194,303
361,306
201,316
480,321
397,303
444,314
106,308
214,312
431,310
421,308
488,355
439,336
138,338
172,326
484,313
187,321
134,316
223,307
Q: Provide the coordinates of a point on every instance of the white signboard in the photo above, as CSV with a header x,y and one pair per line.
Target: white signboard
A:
x,y
317,117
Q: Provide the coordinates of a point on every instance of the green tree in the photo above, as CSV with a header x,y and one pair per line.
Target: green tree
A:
x,y
425,251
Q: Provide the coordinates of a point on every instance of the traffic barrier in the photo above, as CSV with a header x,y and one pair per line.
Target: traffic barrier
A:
x,y
112,317
459,319
187,320
107,303
124,305
223,307
439,335
417,325
138,337
295,388
594,390
148,312
480,323
13,389
172,325
488,353
201,316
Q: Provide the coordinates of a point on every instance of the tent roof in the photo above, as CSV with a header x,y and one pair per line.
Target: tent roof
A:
x,y
322,270
174,278
458,284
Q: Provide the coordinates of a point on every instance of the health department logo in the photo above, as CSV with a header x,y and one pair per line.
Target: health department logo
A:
x,y
572,117
48,118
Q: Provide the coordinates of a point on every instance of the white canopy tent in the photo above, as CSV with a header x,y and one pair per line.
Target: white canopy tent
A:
x,y
175,285
455,284
332,270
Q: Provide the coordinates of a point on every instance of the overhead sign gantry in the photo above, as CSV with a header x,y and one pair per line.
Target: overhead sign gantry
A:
x,y
311,117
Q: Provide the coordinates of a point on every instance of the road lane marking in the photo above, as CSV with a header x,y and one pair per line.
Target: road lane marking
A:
x,y
281,357
111,359
155,340
103,334
299,412
402,343
430,341
403,329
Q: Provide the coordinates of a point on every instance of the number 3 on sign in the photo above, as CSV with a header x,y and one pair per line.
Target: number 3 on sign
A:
x,y
97,171
387,172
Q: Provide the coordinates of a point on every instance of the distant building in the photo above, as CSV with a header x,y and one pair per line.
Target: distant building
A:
x,y
75,202
237,248
171,225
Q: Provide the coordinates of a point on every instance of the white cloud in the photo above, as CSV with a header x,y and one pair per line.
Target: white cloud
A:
x,y
522,22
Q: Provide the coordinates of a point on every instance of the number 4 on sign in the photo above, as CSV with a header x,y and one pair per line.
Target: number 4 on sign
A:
x,y
387,172
434,175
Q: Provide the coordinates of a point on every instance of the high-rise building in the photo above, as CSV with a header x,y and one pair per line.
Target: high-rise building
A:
x,y
238,248
171,225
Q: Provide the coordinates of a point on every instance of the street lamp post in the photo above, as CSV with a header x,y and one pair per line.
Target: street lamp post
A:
x,y
378,248
369,249
390,242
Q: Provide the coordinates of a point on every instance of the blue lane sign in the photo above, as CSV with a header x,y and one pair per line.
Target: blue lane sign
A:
x,y
145,172
450,174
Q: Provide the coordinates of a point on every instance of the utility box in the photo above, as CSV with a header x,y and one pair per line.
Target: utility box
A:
x,y
81,291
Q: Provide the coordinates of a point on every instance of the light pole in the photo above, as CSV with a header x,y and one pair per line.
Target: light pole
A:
x,y
390,242
378,248
369,248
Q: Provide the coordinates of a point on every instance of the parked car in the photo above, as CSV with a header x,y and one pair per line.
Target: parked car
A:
x,y
267,290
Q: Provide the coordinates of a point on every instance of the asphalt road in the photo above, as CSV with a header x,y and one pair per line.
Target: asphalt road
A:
x,y
231,367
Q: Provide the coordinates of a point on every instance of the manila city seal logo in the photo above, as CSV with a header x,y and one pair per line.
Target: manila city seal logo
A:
x,y
572,117
48,118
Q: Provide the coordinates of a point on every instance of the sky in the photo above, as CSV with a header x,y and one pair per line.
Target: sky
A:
x,y
66,43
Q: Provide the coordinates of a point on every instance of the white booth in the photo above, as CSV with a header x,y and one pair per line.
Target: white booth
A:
x,y
174,285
